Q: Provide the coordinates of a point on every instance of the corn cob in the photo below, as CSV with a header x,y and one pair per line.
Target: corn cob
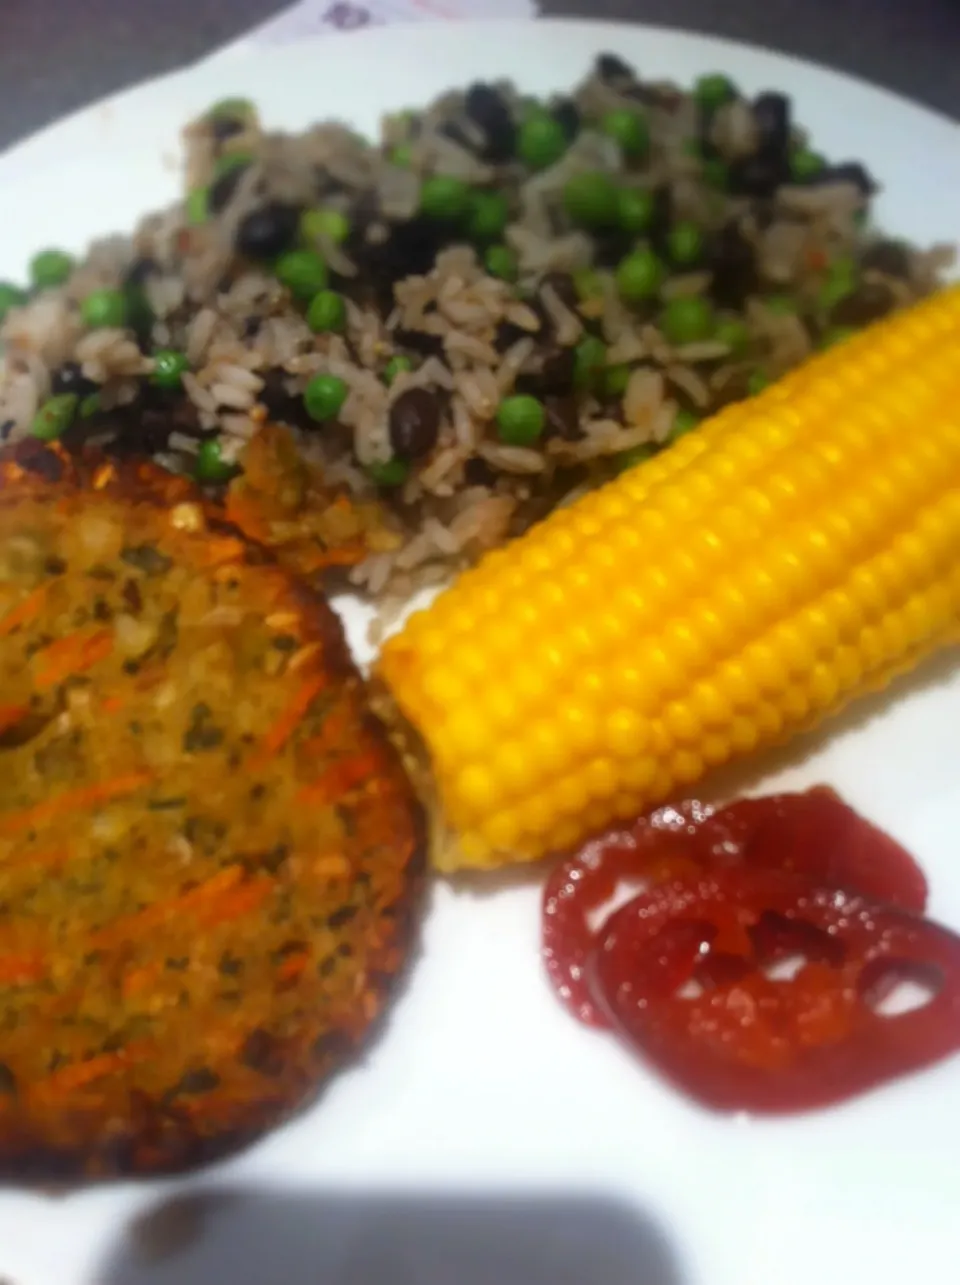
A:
x,y
797,550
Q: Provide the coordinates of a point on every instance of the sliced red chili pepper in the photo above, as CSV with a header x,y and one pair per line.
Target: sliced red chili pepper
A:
x,y
812,833
684,971
817,835
656,846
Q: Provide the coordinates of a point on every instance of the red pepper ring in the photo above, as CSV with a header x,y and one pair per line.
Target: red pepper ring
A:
x,y
658,845
683,970
813,834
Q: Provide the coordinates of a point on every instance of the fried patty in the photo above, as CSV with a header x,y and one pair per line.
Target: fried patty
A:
x,y
209,852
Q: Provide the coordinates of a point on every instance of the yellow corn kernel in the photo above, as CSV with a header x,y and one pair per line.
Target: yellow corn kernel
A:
x,y
796,551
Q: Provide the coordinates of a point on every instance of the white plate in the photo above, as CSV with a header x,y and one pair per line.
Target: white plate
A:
x,y
482,1088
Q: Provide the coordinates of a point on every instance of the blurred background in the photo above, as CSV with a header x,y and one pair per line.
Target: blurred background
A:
x,y
56,55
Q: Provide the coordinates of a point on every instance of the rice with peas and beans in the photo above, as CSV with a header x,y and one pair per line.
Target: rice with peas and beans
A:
x,y
493,307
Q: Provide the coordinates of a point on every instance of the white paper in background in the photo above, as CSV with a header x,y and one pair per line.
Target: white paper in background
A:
x,y
314,18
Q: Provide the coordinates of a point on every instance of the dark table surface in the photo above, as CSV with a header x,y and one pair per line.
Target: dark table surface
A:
x,y
55,55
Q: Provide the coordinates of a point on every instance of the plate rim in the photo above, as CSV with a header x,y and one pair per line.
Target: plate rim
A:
x,y
21,151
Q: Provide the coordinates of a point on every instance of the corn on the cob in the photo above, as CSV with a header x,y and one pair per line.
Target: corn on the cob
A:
x,y
797,550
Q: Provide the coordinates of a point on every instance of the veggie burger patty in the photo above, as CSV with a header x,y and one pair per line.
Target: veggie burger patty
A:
x,y
209,852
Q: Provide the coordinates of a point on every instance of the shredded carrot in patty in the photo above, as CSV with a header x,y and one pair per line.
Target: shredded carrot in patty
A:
x,y
71,655
24,611
289,720
79,1074
85,796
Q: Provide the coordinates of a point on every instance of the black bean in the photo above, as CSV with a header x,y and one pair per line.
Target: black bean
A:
x,y
734,268
421,342
69,378
869,302
267,232
563,418
222,189
487,109
889,257
567,116
611,69
555,376
758,176
281,406
848,172
6,428
8,1081
477,472
771,114
139,270
414,423
252,326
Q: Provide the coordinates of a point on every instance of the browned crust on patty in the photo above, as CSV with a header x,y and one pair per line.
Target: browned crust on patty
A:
x,y
210,855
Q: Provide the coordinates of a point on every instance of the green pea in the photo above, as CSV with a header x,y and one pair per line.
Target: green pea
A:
x,y
487,216
687,320
691,147
685,421
330,224
390,473
588,284
198,206
836,335
629,130
805,164
520,420
240,109
615,380
639,276
11,296
757,381
210,465
169,368
303,272
685,244
324,396
840,281
327,312
635,455
635,207
139,312
590,359
716,174
401,156
591,200
50,268
734,333
713,90
230,161
500,261
89,406
105,309
395,365
55,416
443,197
781,305
541,140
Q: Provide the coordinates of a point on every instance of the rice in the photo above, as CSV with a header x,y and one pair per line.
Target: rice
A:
x,y
778,267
